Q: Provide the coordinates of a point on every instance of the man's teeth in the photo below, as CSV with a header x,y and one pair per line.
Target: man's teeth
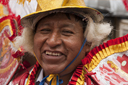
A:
x,y
53,54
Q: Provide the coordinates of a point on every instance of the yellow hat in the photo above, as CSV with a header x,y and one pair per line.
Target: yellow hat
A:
x,y
46,7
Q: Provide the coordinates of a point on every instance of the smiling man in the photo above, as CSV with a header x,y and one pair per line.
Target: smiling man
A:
x,y
60,34
56,44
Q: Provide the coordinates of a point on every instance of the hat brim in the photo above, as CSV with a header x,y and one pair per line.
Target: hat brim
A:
x,y
31,19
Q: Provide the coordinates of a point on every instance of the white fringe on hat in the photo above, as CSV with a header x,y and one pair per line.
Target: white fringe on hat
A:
x,y
96,32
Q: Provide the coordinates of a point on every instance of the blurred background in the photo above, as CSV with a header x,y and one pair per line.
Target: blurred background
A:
x,y
115,12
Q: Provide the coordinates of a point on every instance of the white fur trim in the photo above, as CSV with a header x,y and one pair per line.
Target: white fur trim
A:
x,y
96,32
26,40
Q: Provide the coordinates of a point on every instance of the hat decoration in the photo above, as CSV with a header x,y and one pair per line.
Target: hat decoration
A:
x,y
46,7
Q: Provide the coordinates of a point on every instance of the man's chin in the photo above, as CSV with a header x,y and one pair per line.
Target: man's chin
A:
x,y
54,70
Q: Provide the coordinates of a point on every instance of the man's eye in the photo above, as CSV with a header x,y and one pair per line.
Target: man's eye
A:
x,y
45,30
67,32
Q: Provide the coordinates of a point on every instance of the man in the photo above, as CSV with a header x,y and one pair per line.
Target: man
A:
x,y
60,34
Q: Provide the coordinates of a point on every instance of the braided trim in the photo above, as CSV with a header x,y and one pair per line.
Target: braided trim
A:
x,y
31,78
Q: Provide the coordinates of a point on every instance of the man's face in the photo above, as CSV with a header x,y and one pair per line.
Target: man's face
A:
x,y
57,41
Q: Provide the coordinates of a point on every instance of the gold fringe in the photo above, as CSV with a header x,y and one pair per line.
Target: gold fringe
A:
x,y
80,80
105,53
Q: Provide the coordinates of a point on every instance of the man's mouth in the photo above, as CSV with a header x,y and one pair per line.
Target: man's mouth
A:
x,y
53,53
53,57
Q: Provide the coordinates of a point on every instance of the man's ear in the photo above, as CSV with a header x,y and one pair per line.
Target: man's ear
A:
x,y
87,47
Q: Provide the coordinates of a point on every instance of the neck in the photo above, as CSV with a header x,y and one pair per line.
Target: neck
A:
x,y
66,78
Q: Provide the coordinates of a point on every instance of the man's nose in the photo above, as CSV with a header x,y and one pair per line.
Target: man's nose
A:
x,y
54,40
